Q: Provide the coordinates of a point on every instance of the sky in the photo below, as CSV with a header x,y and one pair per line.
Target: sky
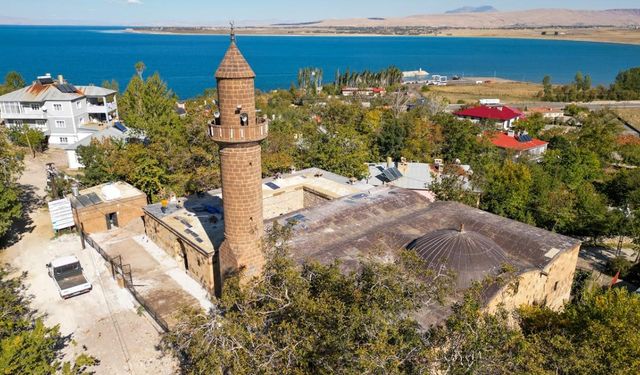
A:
x,y
217,12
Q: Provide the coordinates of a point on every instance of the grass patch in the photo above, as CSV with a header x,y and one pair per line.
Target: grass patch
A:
x,y
506,92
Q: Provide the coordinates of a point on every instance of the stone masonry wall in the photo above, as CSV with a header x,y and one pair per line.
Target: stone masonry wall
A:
x,y
534,287
93,220
234,92
198,265
312,199
243,216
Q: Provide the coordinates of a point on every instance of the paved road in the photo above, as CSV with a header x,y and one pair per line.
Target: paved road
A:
x,y
594,106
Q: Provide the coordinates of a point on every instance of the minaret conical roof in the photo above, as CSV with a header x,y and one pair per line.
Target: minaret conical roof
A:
x,y
234,65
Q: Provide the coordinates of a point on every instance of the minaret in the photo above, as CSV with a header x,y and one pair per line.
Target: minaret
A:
x,y
238,133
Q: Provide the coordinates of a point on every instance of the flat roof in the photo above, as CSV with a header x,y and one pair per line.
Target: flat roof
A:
x,y
200,218
111,191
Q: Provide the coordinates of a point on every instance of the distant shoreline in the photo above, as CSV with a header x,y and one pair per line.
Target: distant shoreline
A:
x,y
593,35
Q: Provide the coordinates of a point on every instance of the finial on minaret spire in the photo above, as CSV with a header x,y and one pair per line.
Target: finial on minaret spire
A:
x,y
233,31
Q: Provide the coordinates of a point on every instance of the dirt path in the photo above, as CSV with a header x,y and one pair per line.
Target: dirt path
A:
x,y
105,320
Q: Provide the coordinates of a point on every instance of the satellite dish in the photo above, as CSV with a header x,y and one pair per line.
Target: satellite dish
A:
x,y
244,119
216,114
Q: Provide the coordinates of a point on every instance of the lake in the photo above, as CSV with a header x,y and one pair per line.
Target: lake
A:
x,y
187,62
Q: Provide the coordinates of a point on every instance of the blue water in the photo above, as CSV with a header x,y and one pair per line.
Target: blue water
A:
x,y
92,54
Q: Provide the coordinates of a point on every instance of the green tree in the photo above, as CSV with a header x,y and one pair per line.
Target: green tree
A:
x,y
140,68
26,136
597,334
27,346
506,190
112,85
12,81
626,85
599,134
391,140
313,319
11,167
533,124
460,138
547,88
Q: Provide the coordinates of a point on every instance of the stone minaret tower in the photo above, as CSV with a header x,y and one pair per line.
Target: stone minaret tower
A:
x,y
238,133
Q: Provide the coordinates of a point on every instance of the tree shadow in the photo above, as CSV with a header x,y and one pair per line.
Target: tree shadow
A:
x,y
31,202
597,256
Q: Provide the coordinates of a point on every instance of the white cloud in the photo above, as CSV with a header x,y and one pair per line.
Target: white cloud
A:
x,y
134,1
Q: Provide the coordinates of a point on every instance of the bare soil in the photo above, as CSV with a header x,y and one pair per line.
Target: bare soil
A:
x,y
104,321
511,92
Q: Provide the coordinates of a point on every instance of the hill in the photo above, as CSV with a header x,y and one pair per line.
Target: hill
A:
x,y
469,9
492,20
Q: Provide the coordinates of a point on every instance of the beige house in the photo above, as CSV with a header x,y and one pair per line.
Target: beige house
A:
x,y
107,206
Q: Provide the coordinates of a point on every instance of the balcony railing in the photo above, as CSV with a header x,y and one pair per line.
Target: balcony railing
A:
x,y
26,115
253,133
95,108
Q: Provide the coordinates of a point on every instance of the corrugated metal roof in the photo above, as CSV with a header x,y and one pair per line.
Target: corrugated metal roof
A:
x,y
95,91
40,93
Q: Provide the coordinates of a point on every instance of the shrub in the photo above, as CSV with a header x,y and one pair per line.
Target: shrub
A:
x,y
618,264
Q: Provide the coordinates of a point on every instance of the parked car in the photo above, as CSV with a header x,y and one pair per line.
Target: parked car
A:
x,y
68,276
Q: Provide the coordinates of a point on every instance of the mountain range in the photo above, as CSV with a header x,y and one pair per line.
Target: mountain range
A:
x,y
470,9
496,19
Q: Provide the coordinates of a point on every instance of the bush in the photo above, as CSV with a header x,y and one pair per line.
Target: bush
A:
x,y
633,275
618,264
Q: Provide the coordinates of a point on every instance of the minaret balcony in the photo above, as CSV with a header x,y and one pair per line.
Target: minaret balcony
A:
x,y
239,134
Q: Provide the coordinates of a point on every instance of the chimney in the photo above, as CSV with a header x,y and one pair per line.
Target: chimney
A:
x,y
75,190
60,79
389,162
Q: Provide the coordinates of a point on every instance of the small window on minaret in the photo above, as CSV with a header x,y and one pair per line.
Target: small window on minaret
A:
x,y
244,119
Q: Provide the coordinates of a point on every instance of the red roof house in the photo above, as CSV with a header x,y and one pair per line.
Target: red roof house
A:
x,y
504,115
521,143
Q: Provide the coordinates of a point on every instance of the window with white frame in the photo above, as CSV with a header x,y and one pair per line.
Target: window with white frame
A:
x,y
57,107
41,123
64,140
35,107
60,124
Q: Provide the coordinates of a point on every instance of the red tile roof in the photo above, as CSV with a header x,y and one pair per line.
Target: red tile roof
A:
x,y
503,140
503,113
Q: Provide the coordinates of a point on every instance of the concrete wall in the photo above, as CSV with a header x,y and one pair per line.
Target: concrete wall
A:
x,y
553,290
199,265
92,218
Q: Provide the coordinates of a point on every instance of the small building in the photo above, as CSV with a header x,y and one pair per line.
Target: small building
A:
x,y
191,229
503,116
368,91
415,76
548,112
415,176
102,207
521,144
117,132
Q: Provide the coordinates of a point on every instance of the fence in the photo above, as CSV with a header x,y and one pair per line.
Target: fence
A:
x,y
120,270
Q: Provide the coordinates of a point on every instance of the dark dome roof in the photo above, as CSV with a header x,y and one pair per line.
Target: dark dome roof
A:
x,y
469,254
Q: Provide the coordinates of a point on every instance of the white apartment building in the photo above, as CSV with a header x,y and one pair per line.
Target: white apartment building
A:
x,y
59,109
